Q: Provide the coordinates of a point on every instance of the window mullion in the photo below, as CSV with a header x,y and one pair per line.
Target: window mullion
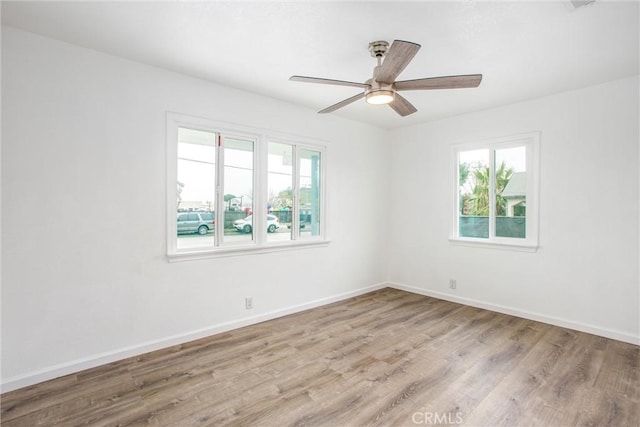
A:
x,y
260,192
492,194
295,210
219,237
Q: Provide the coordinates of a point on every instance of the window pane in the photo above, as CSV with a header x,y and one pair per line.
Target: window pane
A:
x,y
511,192
280,191
238,190
196,188
309,190
473,193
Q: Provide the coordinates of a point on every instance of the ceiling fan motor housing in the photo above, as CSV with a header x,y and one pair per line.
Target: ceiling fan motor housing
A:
x,y
379,93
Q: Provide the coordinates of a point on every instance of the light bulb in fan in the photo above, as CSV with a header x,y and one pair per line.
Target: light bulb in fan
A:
x,y
380,97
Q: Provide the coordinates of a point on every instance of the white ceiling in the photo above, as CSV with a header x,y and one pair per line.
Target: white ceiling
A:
x,y
524,49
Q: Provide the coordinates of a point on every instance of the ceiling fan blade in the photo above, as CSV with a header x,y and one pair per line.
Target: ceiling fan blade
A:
x,y
342,103
402,106
448,82
305,79
396,59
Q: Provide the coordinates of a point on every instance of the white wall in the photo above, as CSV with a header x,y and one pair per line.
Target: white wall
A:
x,y
85,276
585,274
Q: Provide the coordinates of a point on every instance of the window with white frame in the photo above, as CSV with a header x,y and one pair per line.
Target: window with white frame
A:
x,y
294,190
219,179
496,192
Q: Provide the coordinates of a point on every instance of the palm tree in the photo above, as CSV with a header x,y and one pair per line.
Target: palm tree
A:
x,y
463,176
478,202
479,199
503,175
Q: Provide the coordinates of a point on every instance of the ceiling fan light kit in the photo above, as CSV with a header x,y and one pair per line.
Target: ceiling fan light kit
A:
x,y
382,88
379,96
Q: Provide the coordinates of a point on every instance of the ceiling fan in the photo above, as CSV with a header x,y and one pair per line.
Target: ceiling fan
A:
x,y
382,87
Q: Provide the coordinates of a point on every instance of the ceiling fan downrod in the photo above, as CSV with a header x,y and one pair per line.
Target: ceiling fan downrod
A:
x,y
379,93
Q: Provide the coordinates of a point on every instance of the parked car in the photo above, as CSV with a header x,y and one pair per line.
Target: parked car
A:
x,y
195,222
246,225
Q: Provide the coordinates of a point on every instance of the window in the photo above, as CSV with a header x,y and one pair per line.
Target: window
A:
x,y
496,186
219,178
237,190
309,192
280,181
294,188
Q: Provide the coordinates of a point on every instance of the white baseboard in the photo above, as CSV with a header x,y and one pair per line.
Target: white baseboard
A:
x,y
578,326
56,371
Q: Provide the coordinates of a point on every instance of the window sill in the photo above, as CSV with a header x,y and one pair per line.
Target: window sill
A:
x,y
245,250
482,243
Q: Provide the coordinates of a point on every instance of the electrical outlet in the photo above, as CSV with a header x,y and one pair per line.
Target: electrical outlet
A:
x,y
452,284
248,303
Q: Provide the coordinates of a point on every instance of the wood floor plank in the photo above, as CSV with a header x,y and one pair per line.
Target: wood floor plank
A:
x,y
387,358
621,370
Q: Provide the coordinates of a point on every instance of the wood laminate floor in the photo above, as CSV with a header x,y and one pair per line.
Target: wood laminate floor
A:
x,y
387,358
